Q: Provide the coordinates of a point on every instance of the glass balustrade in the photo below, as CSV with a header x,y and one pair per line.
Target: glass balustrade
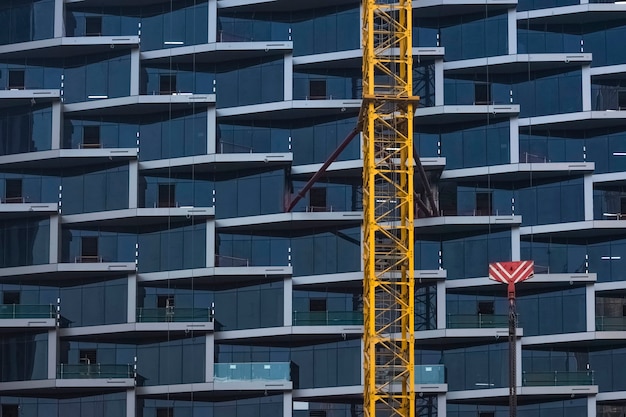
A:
x,y
557,378
327,318
94,371
257,371
24,311
173,314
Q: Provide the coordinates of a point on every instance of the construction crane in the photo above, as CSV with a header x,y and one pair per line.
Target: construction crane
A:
x,y
386,121
388,209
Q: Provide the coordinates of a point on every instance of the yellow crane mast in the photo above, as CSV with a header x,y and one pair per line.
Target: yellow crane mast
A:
x,y
388,244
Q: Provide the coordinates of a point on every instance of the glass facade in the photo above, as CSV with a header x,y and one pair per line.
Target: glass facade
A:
x,y
149,151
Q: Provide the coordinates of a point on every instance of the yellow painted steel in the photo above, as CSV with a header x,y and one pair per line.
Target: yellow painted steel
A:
x,y
388,244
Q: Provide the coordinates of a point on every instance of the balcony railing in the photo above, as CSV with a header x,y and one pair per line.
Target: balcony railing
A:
x,y
237,372
557,378
231,261
430,374
477,321
94,371
173,314
24,311
604,323
327,318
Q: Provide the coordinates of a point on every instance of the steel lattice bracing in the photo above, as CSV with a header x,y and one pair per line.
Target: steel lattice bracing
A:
x,y
387,119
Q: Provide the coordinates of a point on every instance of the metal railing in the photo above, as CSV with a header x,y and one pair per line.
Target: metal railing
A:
x,y
557,378
477,321
230,147
327,318
253,371
223,260
25,311
604,323
173,314
94,371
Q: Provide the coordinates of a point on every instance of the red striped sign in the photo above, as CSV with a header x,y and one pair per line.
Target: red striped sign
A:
x,y
511,272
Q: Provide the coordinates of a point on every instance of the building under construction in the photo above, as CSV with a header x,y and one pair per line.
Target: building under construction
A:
x,y
267,208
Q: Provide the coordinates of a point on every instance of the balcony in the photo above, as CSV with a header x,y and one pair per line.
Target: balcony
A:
x,y
430,374
172,314
477,321
22,311
556,378
95,371
238,372
327,318
608,324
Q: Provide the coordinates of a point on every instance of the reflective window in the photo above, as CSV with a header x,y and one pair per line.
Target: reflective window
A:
x,y
264,406
466,146
86,191
327,85
177,248
468,257
23,357
96,76
94,304
168,362
252,27
242,194
477,367
543,4
576,407
251,138
249,250
25,129
25,21
326,30
327,252
558,202
24,242
180,192
464,36
86,246
29,188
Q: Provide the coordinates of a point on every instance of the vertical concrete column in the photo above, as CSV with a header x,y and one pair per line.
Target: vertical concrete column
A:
x,y
512,31
55,239
441,304
439,98
133,181
53,353
287,301
515,244
212,17
135,70
210,243
131,301
514,140
210,357
591,404
288,80
586,87
57,125
590,307
287,404
588,196
131,403
441,405
59,26
211,131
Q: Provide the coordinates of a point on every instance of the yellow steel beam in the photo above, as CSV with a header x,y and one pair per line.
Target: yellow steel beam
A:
x,y
388,244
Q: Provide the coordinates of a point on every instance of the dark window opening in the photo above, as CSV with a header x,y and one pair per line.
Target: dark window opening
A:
x,y
89,249
16,80
10,410
165,301
167,84
317,89
624,310
483,204
317,199
486,414
165,412
482,93
91,137
486,307
11,297
88,356
317,413
621,100
13,191
167,195
317,304
93,26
